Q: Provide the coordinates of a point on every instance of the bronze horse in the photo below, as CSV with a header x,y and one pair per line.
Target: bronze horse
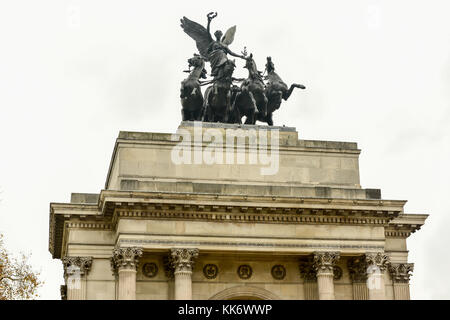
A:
x,y
217,101
250,101
276,90
190,92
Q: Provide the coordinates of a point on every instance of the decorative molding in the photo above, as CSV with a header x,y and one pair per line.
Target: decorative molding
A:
x,y
278,272
210,271
401,272
324,262
126,258
76,265
150,270
397,233
244,272
182,259
252,215
378,259
89,225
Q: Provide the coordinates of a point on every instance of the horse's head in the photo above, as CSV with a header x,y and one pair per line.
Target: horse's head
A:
x,y
196,61
228,68
250,65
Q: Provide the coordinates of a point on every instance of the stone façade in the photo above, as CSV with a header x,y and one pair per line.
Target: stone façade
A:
x,y
233,217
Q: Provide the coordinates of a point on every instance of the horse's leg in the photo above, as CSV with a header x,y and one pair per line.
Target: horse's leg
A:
x,y
234,112
184,115
226,116
265,101
182,95
197,114
253,110
269,119
288,93
237,113
205,108
205,112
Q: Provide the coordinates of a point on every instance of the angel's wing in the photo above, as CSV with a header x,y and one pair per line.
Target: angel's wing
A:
x,y
199,34
229,36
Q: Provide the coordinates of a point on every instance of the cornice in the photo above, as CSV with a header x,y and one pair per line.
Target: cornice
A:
x,y
404,225
151,196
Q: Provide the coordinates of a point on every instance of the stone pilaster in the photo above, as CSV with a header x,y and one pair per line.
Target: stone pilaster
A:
x,y
125,262
75,272
323,264
377,264
357,267
400,274
183,261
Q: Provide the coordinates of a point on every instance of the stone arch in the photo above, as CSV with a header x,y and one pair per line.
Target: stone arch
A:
x,y
245,293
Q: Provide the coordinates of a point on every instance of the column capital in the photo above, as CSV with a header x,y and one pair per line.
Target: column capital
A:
x,y
324,262
183,259
76,265
126,258
306,267
401,272
357,267
378,259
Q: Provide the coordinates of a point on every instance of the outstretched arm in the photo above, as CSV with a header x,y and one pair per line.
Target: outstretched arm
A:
x,y
210,16
231,53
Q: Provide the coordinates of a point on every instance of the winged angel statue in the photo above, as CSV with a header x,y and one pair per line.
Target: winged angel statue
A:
x,y
214,51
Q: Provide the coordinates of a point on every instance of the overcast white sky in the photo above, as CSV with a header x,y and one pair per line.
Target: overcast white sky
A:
x,y
75,73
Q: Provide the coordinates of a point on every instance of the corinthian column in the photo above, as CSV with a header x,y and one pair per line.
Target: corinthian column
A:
x,y
75,272
323,263
400,273
125,262
183,262
376,265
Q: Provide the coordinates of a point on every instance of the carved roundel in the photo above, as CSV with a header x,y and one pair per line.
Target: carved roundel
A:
x,y
210,271
150,270
337,273
278,272
245,272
